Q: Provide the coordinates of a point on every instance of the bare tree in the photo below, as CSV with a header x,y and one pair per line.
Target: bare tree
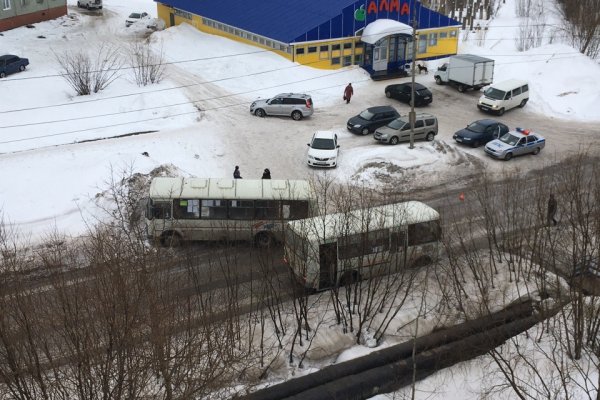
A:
x,y
147,66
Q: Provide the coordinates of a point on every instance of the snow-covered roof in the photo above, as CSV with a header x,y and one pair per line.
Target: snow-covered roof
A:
x,y
381,28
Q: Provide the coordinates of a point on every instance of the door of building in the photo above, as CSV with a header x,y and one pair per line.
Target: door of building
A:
x,y
380,55
171,19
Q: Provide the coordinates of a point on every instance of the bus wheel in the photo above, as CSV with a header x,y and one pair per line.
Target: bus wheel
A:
x,y
421,261
263,240
171,239
349,277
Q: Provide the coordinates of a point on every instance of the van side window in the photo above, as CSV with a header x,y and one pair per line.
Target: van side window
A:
x,y
419,123
516,91
525,88
430,122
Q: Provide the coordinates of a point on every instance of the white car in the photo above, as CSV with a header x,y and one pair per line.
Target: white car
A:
x,y
323,149
135,17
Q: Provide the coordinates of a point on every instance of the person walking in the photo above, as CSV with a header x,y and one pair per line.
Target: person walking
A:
x,y
266,174
236,173
348,92
552,208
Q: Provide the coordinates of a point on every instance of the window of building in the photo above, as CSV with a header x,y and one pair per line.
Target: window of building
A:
x,y
358,59
433,37
7,4
422,44
443,35
452,33
254,38
335,61
347,61
220,26
268,43
237,32
312,49
261,40
324,48
347,45
335,47
299,50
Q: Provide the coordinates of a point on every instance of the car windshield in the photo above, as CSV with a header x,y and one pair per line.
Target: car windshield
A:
x,y
476,127
366,115
134,15
493,93
397,123
510,139
323,144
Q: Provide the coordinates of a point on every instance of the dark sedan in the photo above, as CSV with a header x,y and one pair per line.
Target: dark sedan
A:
x,y
401,91
10,64
480,132
372,118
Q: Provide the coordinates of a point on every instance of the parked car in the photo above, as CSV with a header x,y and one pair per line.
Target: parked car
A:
x,y
371,119
9,64
426,127
516,143
89,4
323,149
135,17
401,91
502,96
295,105
480,132
156,24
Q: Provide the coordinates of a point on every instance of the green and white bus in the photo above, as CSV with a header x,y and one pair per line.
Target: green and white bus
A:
x,y
185,209
336,249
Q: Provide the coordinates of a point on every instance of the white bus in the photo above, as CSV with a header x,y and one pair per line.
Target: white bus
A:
x,y
182,209
338,249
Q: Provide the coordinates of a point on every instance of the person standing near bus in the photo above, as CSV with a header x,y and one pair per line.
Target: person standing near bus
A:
x,y
236,173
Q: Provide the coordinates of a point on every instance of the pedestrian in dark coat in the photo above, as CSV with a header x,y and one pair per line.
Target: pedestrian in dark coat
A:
x,y
266,174
348,92
552,208
236,173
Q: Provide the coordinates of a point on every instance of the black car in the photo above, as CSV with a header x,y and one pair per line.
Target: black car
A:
x,y
401,91
10,64
480,132
372,118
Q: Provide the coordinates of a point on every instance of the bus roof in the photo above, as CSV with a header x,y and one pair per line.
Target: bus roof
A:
x,y
331,226
241,189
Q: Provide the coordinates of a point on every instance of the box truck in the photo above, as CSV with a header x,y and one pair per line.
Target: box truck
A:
x,y
466,71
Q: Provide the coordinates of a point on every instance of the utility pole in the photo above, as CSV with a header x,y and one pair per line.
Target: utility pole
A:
x,y
411,115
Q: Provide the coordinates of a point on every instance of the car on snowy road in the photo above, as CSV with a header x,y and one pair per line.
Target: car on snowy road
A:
x,y
135,17
516,143
371,119
295,105
323,149
402,92
9,64
481,132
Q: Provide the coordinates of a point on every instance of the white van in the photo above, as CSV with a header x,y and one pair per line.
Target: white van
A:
x,y
502,96
90,4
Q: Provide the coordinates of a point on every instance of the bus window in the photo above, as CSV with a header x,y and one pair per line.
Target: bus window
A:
x,y
160,210
424,232
398,241
241,209
265,209
294,209
186,208
214,209
350,246
362,244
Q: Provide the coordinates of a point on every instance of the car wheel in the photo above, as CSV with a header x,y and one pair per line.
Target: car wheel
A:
x,y
523,102
476,143
388,94
2,74
508,156
461,88
394,140
536,151
260,112
22,68
430,136
365,131
501,111
171,239
438,80
263,240
296,115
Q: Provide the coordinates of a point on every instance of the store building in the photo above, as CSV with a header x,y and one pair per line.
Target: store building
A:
x,y
375,34
15,13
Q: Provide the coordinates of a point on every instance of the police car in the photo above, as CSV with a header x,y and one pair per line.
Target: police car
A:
x,y
515,143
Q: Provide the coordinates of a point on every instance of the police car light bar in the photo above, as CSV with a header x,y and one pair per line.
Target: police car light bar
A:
x,y
523,131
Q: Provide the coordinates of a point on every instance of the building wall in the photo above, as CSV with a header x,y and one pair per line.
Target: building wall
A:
x,y
15,13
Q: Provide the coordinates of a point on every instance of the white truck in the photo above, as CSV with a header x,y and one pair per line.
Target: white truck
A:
x,y
466,71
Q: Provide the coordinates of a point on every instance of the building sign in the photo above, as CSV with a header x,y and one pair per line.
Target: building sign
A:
x,y
387,6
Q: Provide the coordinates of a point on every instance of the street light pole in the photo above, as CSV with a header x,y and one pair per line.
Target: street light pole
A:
x,y
411,115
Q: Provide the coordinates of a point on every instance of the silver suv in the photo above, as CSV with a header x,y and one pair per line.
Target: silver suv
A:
x,y
295,105
426,127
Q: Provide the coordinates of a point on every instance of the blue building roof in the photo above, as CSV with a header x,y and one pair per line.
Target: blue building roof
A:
x,y
307,20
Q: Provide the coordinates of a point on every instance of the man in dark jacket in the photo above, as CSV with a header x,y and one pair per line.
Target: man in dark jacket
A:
x,y
348,92
552,207
266,174
236,173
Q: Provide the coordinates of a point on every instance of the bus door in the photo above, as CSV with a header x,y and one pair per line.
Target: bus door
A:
x,y
327,264
398,248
